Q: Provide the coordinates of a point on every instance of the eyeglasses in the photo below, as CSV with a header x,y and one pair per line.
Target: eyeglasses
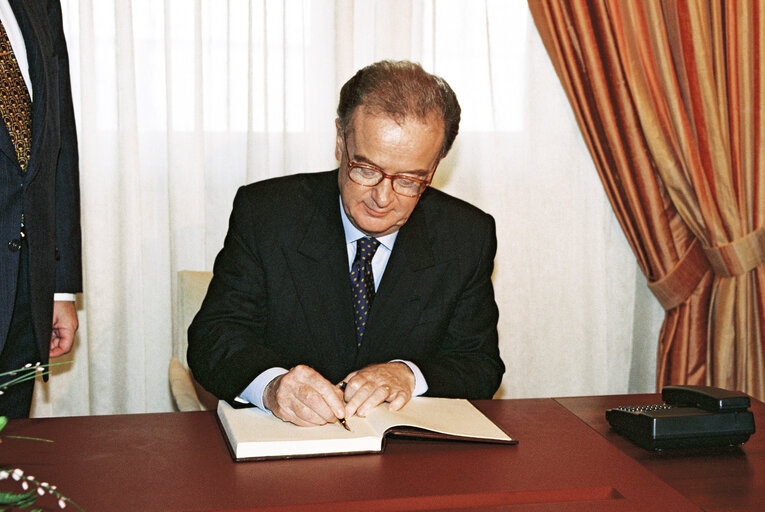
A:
x,y
368,175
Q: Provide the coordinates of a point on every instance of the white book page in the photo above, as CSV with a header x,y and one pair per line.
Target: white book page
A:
x,y
445,415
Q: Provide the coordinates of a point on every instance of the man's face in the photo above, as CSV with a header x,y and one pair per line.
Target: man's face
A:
x,y
411,149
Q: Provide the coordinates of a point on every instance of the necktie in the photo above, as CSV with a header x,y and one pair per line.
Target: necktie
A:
x,y
363,283
15,102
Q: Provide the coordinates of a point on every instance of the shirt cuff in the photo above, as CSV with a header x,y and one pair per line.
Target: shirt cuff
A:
x,y
64,296
253,393
420,384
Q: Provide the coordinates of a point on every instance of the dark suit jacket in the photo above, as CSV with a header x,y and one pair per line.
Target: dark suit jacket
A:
x,y
48,192
281,294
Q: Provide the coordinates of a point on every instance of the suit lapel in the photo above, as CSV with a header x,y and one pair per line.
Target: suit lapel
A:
x,y
319,268
409,276
5,143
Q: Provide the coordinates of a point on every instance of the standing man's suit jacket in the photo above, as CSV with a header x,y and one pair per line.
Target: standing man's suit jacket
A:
x,y
281,295
48,192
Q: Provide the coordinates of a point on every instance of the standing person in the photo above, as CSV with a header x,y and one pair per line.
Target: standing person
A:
x,y
337,291
40,249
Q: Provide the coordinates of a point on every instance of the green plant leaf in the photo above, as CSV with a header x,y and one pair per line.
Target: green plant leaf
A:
x,y
3,422
18,500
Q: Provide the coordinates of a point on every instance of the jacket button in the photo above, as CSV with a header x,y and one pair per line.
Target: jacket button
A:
x,y
14,245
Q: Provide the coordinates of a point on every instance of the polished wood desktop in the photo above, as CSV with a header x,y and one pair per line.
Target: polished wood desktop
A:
x,y
714,479
566,460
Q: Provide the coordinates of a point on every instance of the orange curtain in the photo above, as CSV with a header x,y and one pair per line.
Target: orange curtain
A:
x,y
669,98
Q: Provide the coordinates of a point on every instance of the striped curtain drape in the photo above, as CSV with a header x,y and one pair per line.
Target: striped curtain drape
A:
x,y
669,98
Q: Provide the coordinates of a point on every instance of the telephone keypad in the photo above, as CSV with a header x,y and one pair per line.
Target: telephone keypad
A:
x,y
645,408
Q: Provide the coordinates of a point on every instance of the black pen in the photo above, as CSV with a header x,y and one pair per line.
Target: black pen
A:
x,y
342,420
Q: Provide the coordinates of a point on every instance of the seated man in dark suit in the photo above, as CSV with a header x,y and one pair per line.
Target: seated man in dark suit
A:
x,y
337,291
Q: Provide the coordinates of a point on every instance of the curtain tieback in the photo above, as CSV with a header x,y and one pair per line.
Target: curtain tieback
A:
x,y
739,256
677,285
733,259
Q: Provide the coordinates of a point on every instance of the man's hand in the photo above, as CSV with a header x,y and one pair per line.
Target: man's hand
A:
x,y
375,384
65,324
303,397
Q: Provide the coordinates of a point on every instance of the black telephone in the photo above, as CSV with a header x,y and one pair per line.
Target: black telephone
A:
x,y
691,416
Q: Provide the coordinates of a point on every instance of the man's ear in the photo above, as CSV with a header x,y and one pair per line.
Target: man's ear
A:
x,y
338,141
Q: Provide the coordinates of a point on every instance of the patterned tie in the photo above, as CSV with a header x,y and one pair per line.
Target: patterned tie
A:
x,y
363,283
15,102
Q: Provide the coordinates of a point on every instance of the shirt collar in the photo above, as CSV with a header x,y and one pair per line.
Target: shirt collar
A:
x,y
352,233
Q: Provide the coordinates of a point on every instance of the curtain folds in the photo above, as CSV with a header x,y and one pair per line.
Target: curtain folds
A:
x,y
669,99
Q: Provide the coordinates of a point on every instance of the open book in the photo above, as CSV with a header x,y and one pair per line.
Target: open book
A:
x,y
253,434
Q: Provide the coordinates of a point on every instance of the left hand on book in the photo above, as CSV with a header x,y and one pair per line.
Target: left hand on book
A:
x,y
387,382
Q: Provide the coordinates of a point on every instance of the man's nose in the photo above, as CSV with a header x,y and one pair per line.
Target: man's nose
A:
x,y
383,192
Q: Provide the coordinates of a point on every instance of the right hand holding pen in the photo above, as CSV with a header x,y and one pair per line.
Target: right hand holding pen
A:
x,y
303,397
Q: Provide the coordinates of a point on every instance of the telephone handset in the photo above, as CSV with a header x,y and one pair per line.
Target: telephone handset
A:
x,y
691,416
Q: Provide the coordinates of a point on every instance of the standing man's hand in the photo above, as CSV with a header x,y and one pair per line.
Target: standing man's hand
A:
x,y
387,382
303,397
65,324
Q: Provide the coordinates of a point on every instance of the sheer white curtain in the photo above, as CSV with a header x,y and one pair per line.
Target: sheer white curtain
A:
x,y
180,102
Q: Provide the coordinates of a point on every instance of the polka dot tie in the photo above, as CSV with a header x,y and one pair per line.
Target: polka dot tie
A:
x,y
363,283
15,102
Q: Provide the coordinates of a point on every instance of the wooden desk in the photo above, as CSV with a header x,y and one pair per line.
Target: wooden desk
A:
x,y
714,479
179,462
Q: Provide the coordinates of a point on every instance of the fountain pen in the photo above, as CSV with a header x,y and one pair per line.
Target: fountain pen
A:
x,y
342,420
